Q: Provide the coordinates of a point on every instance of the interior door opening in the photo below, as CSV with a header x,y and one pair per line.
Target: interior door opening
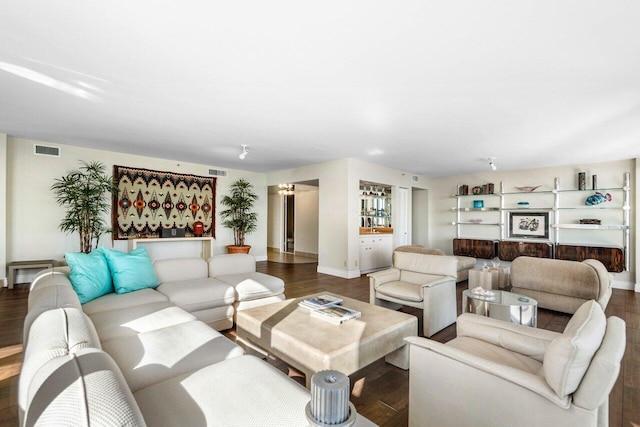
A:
x,y
289,218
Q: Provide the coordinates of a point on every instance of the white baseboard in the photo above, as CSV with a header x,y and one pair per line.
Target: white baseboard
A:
x,y
4,281
352,274
627,286
261,258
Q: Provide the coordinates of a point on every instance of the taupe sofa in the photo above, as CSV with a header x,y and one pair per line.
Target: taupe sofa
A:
x,y
499,374
422,281
137,359
561,285
465,263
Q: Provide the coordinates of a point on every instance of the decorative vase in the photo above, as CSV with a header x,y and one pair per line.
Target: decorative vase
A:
x,y
582,183
198,228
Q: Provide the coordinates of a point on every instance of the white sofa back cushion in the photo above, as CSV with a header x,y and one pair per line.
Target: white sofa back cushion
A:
x,y
55,333
222,265
423,263
171,270
84,389
568,357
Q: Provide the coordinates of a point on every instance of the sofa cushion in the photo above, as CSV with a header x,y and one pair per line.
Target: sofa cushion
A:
x,y
151,357
45,298
132,271
567,358
140,318
465,262
401,290
84,389
261,396
181,269
55,333
90,276
250,286
221,265
116,302
497,354
198,294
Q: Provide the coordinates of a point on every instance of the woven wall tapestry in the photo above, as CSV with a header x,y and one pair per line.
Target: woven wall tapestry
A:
x,y
149,200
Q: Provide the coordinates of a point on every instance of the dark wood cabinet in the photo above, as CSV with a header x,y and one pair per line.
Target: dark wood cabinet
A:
x,y
508,251
475,248
611,257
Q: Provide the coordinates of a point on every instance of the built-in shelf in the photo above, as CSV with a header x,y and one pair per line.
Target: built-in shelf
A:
x,y
592,226
475,209
559,206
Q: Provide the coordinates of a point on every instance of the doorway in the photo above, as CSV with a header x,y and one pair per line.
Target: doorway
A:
x,y
289,223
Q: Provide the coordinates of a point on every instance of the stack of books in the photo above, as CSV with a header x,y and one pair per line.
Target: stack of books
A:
x,y
330,309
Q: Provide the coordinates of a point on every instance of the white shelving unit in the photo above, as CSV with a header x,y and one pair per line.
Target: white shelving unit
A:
x,y
564,204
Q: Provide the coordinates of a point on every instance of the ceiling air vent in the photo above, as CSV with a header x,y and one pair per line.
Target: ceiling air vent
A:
x,y
217,172
414,178
46,150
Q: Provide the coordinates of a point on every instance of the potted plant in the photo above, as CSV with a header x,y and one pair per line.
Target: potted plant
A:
x,y
239,216
86,194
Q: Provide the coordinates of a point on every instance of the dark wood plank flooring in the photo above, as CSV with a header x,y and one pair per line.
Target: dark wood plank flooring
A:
x,y
380,391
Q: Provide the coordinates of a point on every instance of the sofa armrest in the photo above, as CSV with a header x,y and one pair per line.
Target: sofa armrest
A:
x,y
531,342
529,381
604,277
380,277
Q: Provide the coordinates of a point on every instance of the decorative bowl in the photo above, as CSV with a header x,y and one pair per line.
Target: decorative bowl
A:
x,y
527,188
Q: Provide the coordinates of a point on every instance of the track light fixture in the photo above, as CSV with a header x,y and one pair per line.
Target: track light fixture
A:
x,y
492,165
244,152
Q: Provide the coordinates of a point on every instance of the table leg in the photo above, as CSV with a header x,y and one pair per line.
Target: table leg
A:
x,y
399,357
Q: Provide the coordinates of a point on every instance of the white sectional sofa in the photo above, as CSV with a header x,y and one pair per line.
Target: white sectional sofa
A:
x,y
212,291
145,358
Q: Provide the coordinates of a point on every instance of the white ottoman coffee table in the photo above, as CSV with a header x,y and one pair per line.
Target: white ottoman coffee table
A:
x,y
309,344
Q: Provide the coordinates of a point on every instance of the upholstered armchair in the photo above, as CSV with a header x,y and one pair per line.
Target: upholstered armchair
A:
x,y
500,374
421,281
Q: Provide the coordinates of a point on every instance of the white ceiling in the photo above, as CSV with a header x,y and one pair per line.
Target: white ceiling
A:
x,y
429,87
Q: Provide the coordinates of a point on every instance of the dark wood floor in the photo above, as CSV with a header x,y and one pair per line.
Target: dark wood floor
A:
x,y
380,391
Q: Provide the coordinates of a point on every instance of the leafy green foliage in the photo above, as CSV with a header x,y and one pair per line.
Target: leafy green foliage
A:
x,y
86,194
239,216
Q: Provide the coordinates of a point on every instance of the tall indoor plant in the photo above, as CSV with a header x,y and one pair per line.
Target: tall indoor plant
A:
x,y
239,215
86,194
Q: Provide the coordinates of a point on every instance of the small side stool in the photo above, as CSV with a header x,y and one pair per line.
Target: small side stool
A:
x,y
493,278
23,265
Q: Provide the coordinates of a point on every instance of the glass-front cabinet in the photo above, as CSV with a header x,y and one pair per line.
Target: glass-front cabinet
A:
x,y
376,232
375,205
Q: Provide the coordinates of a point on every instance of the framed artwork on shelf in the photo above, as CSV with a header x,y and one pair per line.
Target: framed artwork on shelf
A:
x,y
529,225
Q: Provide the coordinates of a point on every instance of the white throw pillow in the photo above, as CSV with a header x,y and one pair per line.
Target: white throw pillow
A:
x,y
568,357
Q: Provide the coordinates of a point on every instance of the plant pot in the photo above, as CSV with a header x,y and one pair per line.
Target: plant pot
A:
x,y
233,249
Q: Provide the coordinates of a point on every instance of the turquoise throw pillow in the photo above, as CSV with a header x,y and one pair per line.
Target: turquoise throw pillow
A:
x,y
90,276
132,271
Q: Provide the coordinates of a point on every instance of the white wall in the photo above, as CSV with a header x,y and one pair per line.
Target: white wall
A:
x,y
339,207
306,219
33,216
274,221
420,217
610,175
3,209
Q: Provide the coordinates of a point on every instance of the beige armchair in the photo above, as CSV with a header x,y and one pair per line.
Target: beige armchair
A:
x,y
421,281
500,374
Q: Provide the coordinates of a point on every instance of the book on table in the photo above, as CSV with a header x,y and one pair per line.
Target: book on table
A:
x,y
336,314
321,301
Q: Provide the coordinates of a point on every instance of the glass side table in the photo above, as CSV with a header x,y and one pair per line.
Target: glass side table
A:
x,y
503,305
